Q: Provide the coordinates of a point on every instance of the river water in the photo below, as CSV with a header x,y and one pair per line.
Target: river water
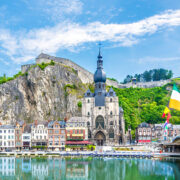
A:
x,y
89,168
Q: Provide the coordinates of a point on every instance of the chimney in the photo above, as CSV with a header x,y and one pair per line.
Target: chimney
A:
x,y
36,122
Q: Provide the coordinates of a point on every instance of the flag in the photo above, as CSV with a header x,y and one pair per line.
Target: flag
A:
x,y
168,117
166,110
175,98
165,125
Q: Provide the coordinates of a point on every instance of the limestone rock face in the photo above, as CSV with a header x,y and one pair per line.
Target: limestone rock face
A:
x,y
41,95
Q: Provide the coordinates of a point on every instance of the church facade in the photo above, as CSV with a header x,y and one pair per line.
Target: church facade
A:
x,y
105,118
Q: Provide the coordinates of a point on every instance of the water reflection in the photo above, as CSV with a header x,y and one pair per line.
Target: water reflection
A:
x,y
82,169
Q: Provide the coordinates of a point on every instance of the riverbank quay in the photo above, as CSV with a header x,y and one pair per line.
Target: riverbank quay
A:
x,y
125,154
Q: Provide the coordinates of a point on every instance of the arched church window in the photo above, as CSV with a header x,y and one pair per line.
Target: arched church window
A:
x,y
88,101
111,123
111,113
111,100
89,133
88,123
88,113
100,121
111,133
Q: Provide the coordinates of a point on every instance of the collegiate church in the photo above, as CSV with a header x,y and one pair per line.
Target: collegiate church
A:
x,y
104,116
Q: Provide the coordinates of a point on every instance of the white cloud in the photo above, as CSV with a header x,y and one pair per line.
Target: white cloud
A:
x,y
24,46
55,10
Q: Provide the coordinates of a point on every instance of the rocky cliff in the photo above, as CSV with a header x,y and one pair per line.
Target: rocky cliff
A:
x,y
41,94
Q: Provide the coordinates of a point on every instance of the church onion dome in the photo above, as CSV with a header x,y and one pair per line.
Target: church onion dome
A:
x,y
111,93
100,76
144,125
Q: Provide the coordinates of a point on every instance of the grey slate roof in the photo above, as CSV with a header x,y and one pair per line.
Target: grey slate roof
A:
x,y
111,93
146,125
61,123
7,127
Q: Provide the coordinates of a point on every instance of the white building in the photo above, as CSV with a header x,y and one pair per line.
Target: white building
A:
x,y
26,140
7,137
39,134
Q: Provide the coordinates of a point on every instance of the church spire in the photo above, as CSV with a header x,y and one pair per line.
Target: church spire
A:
x,y
100,61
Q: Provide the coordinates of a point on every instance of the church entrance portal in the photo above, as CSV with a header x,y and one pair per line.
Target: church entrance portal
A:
x,y
100,138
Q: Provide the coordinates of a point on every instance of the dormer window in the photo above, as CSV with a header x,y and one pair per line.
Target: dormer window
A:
x,y
111,93
88,94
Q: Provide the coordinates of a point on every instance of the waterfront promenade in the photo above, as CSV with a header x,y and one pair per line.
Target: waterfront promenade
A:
x,y
115,154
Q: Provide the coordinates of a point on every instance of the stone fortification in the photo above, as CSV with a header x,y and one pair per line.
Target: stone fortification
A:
x,y
145,84
83,74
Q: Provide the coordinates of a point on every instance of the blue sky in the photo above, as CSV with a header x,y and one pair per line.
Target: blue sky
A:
x,y
137,35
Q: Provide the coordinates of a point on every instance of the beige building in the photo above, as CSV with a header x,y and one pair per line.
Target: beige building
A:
x,y
76,129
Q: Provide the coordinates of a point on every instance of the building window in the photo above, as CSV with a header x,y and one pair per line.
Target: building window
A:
x,y
99,85
111,133
0,131
88,123
111,113
88,101
89,133
88,94
111,100
99,93
57,131
88,113
111,123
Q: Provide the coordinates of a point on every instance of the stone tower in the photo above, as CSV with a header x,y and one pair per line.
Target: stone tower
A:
x,y
104,116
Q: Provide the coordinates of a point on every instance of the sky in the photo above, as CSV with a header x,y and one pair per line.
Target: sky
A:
x,y
136,35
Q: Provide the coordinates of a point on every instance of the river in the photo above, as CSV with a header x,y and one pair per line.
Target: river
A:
x,y
89,168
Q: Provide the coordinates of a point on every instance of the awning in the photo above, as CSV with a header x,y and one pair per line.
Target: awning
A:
x,y
77,134
78,142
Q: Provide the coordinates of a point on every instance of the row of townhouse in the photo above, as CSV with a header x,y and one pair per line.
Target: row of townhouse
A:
x,y
147,133
38,135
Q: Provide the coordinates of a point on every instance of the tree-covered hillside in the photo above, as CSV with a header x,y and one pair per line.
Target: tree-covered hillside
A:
x,y
151,75
145,105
